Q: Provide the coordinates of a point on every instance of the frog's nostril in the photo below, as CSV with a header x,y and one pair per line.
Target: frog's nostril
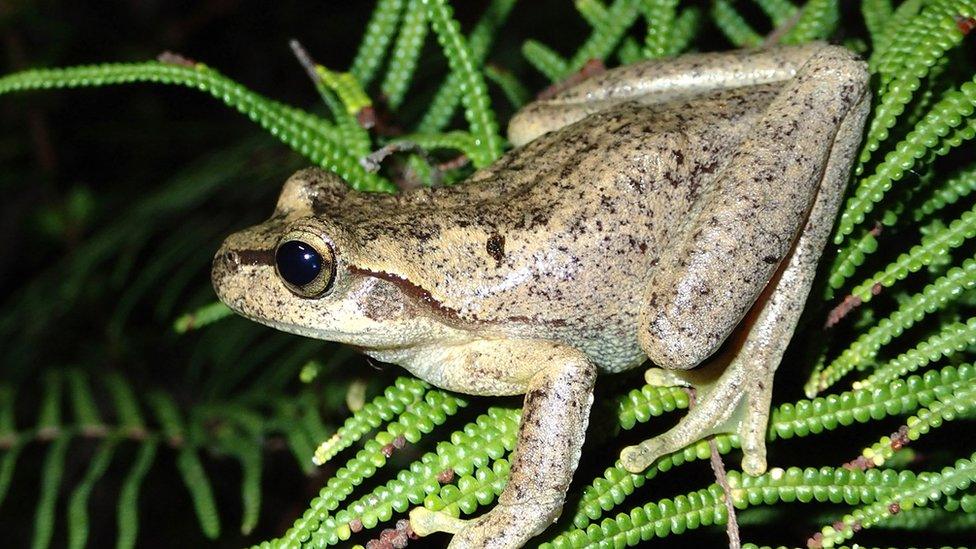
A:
x,y
232,259
225,264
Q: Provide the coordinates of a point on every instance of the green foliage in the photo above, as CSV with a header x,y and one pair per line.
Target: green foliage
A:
x,y
304,132
909,219
397,397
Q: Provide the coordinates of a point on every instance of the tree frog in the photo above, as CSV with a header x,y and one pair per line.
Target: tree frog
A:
x,y
672,211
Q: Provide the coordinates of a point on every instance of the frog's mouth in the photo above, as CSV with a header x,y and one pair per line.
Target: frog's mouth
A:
x,y
245,279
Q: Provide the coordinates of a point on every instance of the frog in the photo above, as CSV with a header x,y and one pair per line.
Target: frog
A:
x,y
670,212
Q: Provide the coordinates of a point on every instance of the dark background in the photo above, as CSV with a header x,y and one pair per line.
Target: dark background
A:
x,y
118,144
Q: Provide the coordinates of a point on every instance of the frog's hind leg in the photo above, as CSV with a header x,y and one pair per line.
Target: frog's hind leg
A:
x,y
658,81
695,300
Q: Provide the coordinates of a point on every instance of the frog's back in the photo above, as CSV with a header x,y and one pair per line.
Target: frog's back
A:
x,y
558,238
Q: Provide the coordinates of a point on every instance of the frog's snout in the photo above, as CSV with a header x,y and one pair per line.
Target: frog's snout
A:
x,y
226,263
229,260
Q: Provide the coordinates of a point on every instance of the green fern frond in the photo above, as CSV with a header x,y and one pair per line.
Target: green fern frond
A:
x,y
948,407
927,488
406,52
84,410
345,98
952,338
380,29
252,464
734,26
630,51
604,38
514,91
477,108
545,60
127,408
239,400
419,418
7,465
951,111
933,37
78,519
817,21
674,516
594,12
877,14
448,96
686,26
950,191
52,473
128,507
660,16
789,420
306,134
850,257
404,392
490,436
203,316
932,298
933,248
894,25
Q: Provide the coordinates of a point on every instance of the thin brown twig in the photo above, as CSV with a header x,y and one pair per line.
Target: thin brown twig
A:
x,y
718,468
778,33
732,524
305,60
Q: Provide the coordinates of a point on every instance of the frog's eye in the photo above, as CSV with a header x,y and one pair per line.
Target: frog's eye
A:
x,y
306,271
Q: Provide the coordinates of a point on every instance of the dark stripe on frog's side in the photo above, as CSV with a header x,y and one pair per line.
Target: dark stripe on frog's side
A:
x,y
250,257
413,290
424,297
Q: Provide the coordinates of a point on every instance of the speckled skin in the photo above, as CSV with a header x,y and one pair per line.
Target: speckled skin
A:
x,y
645,213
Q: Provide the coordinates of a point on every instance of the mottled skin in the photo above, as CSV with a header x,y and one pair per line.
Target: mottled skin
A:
x,y
644,214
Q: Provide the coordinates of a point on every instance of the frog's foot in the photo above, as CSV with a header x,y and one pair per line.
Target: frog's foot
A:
x,y
736,402
504,527
661,377
698,377
425,522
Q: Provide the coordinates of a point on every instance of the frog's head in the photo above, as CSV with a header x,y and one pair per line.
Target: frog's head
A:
x,y
297,272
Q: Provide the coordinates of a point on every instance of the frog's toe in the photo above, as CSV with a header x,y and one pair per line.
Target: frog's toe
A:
x,y
752,428
639,457
754,464
735,403
660,377
425,522
506,526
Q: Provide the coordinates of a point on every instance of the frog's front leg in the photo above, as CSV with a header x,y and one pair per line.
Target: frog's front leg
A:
x,y
558,385
785,180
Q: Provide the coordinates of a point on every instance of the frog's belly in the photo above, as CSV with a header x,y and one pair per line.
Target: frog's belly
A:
x,y
612,353
607,335
611,350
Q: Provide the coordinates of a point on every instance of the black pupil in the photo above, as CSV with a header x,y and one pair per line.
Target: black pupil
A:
x,y
298,263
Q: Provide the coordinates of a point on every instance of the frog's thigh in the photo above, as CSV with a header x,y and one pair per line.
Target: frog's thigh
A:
x,y
554,418
739,400
659,80
706,282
